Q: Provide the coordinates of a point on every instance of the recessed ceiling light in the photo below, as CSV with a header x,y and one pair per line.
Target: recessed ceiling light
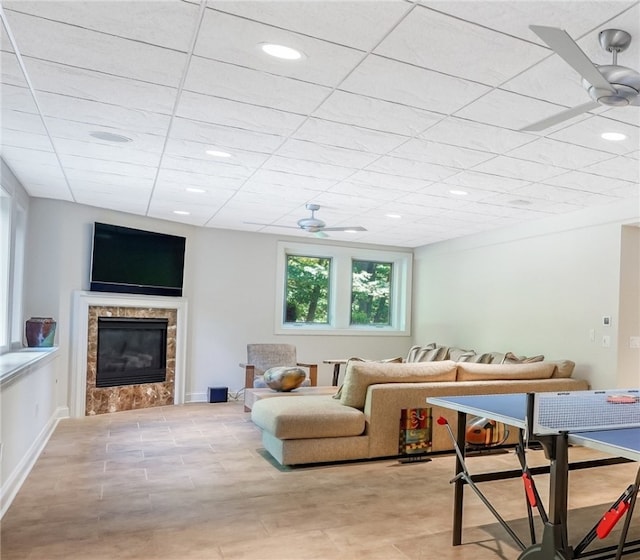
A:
x,y
181,212
458,192
395,216
281,51
109,136
218,153
194,190
614,136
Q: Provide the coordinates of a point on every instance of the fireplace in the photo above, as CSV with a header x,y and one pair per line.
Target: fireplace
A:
x,y
131,351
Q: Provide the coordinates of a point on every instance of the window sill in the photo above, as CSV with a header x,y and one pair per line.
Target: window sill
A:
x,y
19,362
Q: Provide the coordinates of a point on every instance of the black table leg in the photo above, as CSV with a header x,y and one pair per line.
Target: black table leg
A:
x,y
336,374
458,489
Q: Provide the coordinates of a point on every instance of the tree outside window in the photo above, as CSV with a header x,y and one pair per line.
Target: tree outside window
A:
x,y
370,292
307,290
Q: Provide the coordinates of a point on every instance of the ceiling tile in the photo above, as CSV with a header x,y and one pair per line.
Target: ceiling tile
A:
x,y
587,182
411,168
170,23
215,110
441,154
373,19
514,18
557,153
623,168
509,110
375,114
217,136
410,85
252,86
215,169
485,181
478,136
236,40
477,53
102,114
588,133
75,46
313,169
516,168
348,136
311,151
197,150
387,180
89,84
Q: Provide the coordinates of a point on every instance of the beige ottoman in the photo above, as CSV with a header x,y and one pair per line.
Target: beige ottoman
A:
x,y
310,429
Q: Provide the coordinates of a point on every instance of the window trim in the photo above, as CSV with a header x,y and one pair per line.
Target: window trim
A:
x,y
340,288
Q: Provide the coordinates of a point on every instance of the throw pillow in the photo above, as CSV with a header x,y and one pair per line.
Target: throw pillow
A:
x,y
564,368
511,358
460,354
416,350
486,358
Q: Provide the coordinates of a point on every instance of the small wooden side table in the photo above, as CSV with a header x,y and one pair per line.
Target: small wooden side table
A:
x,y
336,369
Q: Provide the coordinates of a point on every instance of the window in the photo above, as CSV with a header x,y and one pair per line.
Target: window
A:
x,y
342,290
13,225
307,298
5,264
370,291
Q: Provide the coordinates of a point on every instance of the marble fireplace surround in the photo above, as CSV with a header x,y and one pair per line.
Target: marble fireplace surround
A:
x,y
87,306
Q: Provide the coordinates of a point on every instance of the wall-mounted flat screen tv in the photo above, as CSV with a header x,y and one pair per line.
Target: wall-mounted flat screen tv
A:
x,y
134,261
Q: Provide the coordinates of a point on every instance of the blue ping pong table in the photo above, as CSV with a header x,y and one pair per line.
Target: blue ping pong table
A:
x,y
555,421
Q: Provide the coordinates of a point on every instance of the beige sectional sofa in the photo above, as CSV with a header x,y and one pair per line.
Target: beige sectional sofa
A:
x,y
363,419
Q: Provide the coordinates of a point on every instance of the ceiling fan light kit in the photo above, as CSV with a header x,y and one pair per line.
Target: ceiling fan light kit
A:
x,y
611,85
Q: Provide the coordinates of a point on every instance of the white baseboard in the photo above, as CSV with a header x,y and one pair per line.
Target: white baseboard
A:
x,y
16,479
195,397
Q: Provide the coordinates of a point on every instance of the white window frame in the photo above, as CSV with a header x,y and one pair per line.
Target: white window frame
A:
x,y
340,290
13,241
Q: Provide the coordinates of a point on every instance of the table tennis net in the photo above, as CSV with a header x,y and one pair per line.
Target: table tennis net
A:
x,y
583,411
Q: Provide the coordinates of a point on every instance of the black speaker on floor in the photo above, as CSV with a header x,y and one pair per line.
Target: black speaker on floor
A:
x,y
218,394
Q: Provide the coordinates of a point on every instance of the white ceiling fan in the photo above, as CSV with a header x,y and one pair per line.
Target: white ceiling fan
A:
x,y
313,224
611,84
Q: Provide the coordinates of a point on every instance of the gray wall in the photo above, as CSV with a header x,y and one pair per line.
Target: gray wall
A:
x,y
538,288
229,285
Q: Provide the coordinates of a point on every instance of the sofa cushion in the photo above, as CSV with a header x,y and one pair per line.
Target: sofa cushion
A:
x,y
360,375
396,360
307,417
491,372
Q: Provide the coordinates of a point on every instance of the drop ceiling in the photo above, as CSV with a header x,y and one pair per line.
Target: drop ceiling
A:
x,y
393,105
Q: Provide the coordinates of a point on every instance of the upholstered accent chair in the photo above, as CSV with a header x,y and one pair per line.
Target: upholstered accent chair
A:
x,y
261,357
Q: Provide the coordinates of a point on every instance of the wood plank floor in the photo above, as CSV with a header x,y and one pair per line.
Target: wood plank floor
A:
x,y
193,482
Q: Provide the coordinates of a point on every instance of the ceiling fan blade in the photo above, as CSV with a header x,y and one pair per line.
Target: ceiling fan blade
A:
x,y
346,228
561,117
562,43
320,234
270,225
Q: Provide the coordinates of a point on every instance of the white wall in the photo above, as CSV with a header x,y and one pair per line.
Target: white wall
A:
x,y
629,312
535,289
229,285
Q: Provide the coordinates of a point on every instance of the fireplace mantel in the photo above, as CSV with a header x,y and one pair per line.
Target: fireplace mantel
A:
x,y
82,301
